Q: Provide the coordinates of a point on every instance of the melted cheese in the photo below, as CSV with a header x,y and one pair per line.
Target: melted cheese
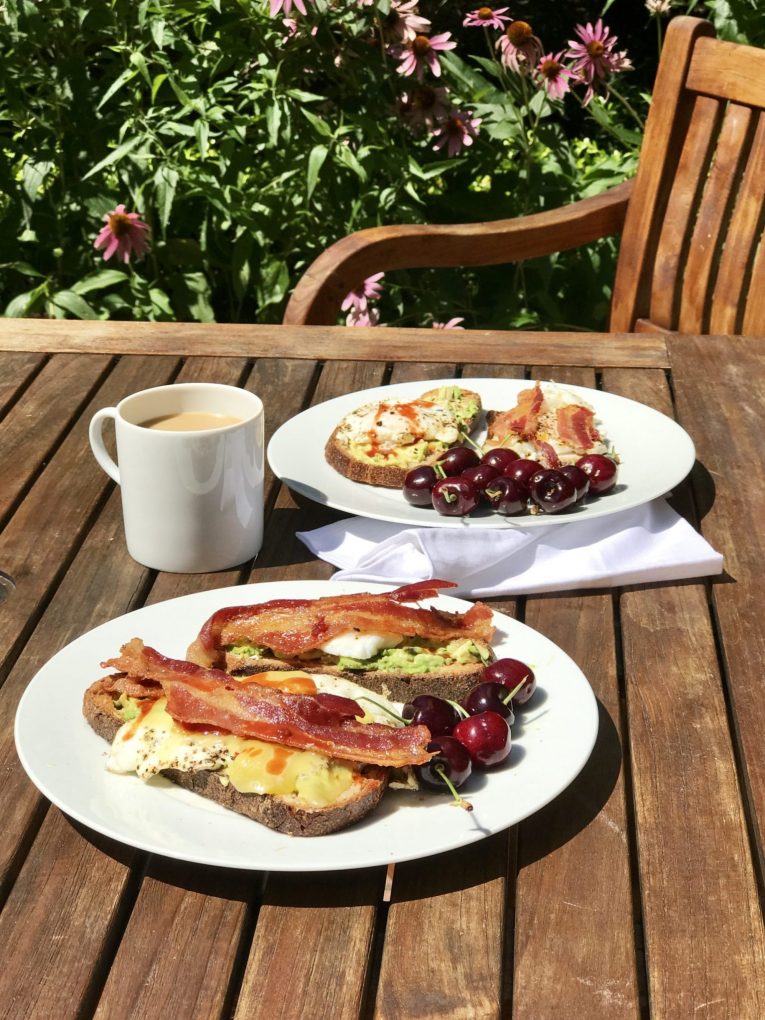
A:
x,y
154,741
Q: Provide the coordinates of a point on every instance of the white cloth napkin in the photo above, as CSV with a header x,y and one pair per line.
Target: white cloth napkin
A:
x,y
648,543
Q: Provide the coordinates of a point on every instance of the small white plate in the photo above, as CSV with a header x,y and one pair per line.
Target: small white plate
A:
x,y
656,454
65,759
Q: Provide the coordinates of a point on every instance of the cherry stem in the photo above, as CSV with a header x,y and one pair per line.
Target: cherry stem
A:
x,y
514,691
470,442
384,708
440,473
460,801
461,712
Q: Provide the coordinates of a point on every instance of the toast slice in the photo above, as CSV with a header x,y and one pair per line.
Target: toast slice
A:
x,y
453,682
379,443
284,813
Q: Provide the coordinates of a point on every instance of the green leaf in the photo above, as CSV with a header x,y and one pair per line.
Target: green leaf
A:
x,y
343,154
321,125
99,280
22,267
240,263
316,159
127,75
273,120
114,156
202,133
156,85
165,181
157,29
33,176
69,301
138,60
22,304
161,302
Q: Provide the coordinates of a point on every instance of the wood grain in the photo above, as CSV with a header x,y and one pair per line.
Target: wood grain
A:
x,y
728,70
16,370
728,487
38,420
702,958
326,342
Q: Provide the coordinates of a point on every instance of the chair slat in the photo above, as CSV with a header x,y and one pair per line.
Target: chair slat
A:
x,y
754,315
744,234
714,210
729,71
692,169
666,128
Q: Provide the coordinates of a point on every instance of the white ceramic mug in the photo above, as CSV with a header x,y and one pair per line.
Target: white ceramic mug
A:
x,y
192,501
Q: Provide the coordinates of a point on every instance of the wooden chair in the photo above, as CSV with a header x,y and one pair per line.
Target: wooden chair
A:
x,y
692,256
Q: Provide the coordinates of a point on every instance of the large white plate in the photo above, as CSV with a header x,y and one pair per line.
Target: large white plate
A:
x,y
656,454
65,759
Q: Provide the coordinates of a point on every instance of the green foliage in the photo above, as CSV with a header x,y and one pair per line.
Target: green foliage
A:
x,y
248,151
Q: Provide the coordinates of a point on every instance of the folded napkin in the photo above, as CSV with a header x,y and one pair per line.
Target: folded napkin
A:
x,y
648,543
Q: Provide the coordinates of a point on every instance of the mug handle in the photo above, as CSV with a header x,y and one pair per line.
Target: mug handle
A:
x,y
96,436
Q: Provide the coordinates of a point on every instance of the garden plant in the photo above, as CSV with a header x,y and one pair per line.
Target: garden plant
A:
x,y
188,159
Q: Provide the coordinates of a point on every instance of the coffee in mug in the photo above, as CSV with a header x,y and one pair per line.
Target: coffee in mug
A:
x,y
190,463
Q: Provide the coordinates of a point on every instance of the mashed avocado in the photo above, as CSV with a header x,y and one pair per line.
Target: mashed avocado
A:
x,y
127,707
455,400
407,658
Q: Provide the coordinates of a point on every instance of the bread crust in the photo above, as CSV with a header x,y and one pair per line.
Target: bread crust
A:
x,y
452,682
283,814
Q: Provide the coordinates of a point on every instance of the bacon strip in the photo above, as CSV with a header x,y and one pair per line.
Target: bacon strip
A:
x,y
576,428
523,418
292,626
322,723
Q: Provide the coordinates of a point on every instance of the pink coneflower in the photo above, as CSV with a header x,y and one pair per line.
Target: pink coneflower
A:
x,y
357,299
424,107
519,47
286,6
421,52
486,17
124,235
371,317
402,22
458,131
594,57
451,324
554,75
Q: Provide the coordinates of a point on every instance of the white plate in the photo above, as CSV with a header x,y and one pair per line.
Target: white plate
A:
x,y
65,759
656,454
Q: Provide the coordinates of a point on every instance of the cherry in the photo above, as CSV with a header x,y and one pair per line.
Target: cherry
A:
x,y
481,475
454,497
552,491
510,673
418,485
521,470
506,496
578,477
427,710
500,457
455,460
486,737
452,761
490,697
600,470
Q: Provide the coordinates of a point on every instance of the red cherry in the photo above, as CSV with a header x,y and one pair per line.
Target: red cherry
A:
x,y
500,457
486,737
510,673
454,497
600,470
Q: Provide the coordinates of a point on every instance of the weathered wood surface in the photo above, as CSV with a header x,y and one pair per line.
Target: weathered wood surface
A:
x,y
320,342
634,894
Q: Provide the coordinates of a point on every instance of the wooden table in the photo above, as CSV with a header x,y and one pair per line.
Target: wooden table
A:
x,y
635,894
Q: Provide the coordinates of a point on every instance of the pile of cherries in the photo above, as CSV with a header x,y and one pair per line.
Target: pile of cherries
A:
x,y
476,733
461,480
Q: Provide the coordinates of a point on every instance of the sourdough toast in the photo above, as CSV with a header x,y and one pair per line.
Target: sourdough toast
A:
x,y
379,443
283,813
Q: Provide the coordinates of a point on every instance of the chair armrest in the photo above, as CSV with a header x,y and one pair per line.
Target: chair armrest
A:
x,y
319,293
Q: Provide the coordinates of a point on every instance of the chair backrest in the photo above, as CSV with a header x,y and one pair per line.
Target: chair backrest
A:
x,y
692,254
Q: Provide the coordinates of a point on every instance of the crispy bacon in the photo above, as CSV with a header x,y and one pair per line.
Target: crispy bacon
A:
x,y
576,428
546,454
323,722
523,418
292,626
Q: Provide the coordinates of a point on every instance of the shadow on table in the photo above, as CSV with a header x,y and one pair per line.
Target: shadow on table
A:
x,y
581,802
